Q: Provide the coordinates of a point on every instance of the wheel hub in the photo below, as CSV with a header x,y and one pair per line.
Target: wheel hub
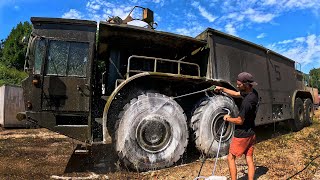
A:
x,y
217,128
153,133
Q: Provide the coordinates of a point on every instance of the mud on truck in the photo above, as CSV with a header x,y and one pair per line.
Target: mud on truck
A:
x,y
121,83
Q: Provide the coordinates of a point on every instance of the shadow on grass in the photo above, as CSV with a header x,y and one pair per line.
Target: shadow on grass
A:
x,y
260,170
270,131
101,159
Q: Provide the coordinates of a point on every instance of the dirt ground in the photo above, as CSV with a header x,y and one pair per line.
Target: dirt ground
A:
x,y
42,154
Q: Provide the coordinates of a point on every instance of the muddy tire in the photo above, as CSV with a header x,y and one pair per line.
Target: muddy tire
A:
x,y
152,132
297,123
308,106
206,121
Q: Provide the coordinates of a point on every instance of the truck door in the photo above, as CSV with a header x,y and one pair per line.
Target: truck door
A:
x,y
65,85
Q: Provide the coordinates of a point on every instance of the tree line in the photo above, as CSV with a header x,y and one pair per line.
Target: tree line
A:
x,y
12,55
314,75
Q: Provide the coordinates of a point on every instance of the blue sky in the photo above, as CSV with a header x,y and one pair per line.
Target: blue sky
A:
x,y
289,27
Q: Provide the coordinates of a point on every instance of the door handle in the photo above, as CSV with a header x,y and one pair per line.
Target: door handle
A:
x,y
80,90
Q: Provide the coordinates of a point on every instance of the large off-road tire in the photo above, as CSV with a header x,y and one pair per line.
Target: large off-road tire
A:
x,y
308,109
297,123
206,122
152,132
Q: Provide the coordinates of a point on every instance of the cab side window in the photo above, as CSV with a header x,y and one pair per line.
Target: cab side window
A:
x,y
78,59
67,58
40,51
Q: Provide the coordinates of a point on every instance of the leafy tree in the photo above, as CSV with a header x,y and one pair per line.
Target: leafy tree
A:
x,y
1,47
11,76
315,77
13,50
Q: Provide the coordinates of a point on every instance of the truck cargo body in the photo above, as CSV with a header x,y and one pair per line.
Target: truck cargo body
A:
x,y
277,78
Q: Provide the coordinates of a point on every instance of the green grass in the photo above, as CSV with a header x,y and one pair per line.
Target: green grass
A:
x,y
11,76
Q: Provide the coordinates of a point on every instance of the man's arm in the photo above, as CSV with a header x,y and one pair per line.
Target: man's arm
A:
x,y
228,91
237,120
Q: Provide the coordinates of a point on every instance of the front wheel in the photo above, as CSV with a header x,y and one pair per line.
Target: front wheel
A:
x,y
152,132
206,123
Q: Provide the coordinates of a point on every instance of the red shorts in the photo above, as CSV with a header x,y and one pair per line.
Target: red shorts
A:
x,y
241,146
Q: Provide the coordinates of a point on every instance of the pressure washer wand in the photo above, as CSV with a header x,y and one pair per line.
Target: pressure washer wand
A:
x,y
196,92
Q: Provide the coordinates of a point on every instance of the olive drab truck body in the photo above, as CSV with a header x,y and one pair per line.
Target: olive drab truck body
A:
x,y
120,81
279,83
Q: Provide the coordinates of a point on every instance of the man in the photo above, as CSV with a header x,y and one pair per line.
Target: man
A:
x,y
244,136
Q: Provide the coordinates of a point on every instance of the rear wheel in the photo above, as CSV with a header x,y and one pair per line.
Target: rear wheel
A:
x,y
298,122
152,132
308,106
206,123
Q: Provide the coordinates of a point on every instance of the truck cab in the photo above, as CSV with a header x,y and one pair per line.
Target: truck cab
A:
x,y
59,63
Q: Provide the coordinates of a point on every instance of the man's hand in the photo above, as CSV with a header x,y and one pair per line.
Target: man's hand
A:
x,y
226,117
218,89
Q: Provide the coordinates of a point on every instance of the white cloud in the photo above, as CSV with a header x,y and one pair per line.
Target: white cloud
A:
x,y
286,41
195,4
16,7
102,10
204,13
157,18
300,39
191,15
184,31
93,6
270,2
259,17
305,50
302,4
235,16
190,28
108,10
120,12
73,14
230,29
262,18
244,14
262,35
288,5
191,31
248,13
161,2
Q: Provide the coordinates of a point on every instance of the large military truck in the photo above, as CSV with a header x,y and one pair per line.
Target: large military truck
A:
x,y
125,81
